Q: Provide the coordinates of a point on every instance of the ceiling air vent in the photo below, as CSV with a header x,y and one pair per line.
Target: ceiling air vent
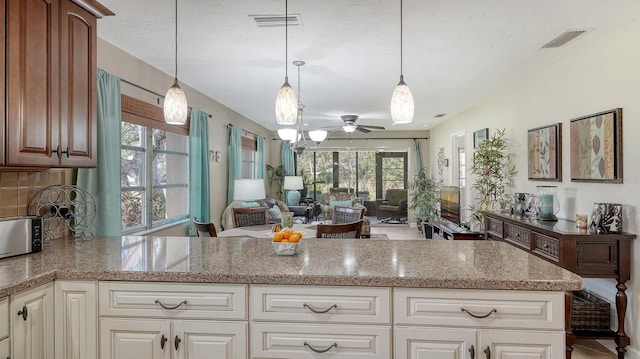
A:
x,y
440,115
563,38
276,20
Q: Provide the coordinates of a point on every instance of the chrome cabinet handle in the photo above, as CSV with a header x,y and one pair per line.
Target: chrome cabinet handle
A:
x,y
334,345
23,312
335,306
168,307
176,342
479,316
472,351
487,352
163,340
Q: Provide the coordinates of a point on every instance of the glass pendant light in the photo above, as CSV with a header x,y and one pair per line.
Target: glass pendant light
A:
x,y
175,102
402,107
286,101
317,136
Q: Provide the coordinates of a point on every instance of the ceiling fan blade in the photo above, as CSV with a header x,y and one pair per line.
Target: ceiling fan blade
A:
x,y
373,127
363,129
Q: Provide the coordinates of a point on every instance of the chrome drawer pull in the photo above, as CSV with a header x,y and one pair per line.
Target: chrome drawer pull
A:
x,y
334,345
479,316
335,306
170,307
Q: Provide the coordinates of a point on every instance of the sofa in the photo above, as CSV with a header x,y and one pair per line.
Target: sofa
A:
x,y
301,214
328,200
393,206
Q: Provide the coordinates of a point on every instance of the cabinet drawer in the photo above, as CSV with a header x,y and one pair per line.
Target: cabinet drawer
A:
x,y
495,227
5,349
331,304
518,235
444,307
547,246
4,318
345,341
203,300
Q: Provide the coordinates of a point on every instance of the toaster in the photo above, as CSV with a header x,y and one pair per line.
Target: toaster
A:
x,y
20,235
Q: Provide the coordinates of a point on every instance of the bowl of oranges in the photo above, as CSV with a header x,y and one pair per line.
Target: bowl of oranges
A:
x,y
285,242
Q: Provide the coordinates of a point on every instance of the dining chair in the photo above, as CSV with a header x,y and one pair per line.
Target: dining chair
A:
x,y
342,214
344,230
250,216
204,229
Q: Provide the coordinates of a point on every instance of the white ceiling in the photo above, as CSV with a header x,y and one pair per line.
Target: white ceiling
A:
x,y
456,52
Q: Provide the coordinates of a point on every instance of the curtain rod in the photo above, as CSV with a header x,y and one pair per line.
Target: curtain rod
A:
x,y
242,129
367,139
149,91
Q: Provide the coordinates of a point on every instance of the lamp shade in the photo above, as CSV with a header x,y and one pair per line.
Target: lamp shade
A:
x,y
286,105
248,189
175,105
317,136
293,182
287,134
349,128
402,104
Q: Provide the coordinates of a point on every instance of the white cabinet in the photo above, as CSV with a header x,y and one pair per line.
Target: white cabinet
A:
x,y
172,321
456,324
32,324
76,319
5,343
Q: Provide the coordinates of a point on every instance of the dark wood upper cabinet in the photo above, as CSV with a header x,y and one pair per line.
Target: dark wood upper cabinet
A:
x,y
50,82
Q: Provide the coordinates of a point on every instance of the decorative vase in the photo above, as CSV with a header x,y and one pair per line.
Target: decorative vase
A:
x,y
520,203
606,218
287,219
548,204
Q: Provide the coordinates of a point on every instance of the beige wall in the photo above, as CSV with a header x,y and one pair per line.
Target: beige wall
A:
x,y
599,77
127,67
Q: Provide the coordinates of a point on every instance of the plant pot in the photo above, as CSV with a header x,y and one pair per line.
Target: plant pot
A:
x,y
427,230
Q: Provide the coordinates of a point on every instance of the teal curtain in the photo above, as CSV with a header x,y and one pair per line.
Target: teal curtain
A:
x,y
417,153
288,161
235,160
260,160
199,194
103,182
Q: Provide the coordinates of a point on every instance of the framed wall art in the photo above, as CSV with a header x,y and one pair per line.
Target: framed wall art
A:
x,y
596,147
479,136
544,146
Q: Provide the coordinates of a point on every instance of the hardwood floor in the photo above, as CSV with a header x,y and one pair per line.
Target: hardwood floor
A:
x,y
584,349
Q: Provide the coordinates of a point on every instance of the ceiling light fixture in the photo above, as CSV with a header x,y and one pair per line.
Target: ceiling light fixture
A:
x,y
402,107
286,101
349,128
175,106
318,136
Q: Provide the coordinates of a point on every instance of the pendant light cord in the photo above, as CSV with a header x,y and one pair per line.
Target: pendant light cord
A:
x,y
176,38
286,38
401,38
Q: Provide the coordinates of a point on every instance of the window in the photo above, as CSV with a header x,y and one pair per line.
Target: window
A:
x,y
249,157
154,176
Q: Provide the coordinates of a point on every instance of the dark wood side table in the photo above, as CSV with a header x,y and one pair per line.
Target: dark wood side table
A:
x,y
586,254
450,231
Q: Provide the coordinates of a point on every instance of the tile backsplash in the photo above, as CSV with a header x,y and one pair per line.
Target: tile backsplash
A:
x,y
17,188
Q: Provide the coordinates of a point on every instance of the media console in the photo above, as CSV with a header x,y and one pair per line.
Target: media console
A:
x,y
445,230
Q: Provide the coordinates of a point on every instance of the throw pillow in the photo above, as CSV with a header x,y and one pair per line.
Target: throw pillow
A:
x,y
275,213
340,203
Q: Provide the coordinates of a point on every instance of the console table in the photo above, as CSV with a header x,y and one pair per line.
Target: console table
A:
x,y
449,231
586,254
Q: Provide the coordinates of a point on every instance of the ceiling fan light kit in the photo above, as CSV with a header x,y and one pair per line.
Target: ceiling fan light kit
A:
x,y
402,107
286,100
175,106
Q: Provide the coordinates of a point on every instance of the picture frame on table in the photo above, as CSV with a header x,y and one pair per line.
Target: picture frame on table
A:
x,y
479,136
544,155
596,147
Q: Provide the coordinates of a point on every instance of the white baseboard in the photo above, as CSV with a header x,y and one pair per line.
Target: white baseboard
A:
x,y
632,353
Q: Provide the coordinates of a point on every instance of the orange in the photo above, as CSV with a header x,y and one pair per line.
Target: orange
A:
x,y
298,233
277,237
295,238
287,232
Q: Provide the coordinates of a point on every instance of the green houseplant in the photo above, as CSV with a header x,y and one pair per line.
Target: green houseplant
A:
x,y
425,199
276,180
494,173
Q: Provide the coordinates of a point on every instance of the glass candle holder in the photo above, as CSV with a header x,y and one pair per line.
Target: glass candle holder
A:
x,y
548,203
287,219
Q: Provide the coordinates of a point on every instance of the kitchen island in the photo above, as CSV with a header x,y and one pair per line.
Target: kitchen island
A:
x,y
352,298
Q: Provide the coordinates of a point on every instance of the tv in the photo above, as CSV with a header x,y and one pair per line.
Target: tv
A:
x,y
450,203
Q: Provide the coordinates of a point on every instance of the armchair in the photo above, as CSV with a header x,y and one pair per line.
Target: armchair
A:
x,y
329,200
393,206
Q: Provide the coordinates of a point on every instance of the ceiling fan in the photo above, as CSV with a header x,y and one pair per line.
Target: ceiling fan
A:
x,y
350,125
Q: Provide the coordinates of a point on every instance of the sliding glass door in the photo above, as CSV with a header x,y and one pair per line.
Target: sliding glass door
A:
x,y
391,171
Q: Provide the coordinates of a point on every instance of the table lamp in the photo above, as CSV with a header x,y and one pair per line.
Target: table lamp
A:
x,y
293,184
249,190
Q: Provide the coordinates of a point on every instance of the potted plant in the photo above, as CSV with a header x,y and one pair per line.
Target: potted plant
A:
x,y
276,180
425,200
494,173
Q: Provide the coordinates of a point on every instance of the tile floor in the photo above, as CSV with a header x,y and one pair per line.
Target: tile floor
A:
x,y
584,349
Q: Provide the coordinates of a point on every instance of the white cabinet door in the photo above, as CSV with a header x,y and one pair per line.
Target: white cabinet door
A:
x,y
135,338
32,330
5,349
505,344
435,343
205,339
76,319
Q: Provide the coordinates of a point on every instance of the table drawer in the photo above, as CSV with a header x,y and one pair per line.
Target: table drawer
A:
x,y
203,300
495,227
321,304
547,246
518,235
499,309
4,318
338,341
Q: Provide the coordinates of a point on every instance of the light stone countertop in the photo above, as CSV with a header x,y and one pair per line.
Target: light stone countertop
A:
x,y
340,262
